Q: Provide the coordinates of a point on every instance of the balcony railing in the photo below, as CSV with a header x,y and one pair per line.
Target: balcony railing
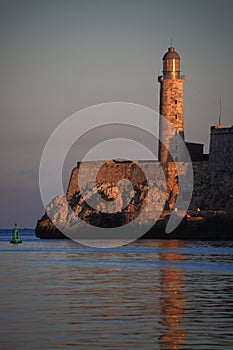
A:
x,y
173,75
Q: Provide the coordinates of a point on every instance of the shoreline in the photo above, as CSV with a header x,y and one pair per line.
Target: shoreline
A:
x,y
205,225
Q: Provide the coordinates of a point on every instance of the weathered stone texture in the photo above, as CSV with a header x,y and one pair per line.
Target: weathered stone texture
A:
x,y
210,193
213,190
171,108
221,150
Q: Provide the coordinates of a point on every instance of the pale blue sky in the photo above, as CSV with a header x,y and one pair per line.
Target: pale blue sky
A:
x,y
60,56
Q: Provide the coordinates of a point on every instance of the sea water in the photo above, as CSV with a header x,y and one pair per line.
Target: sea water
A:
x,y
150,294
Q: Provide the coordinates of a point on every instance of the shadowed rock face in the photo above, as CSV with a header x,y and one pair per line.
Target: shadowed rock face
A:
x,y
117,197
120,194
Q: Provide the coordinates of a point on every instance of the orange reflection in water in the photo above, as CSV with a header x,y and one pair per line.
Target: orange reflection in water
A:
x,y
172,297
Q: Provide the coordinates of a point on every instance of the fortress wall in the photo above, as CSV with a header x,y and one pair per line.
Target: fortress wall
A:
x,y
221,149
213,187
139,173
200,197
212,191
207,195
109,173
221,190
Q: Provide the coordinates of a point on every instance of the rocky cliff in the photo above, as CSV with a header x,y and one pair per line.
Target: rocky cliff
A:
x,y
122,190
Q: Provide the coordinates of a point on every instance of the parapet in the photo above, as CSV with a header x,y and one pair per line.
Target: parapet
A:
x,y
219,130
221,149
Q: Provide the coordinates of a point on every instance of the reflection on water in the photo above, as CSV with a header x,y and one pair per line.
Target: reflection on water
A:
x,y
173,298
148,295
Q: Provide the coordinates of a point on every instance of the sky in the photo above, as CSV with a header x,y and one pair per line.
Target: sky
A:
x,y
58,57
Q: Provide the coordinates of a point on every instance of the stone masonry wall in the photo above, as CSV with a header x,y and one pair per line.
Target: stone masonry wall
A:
x,y
172,108
163,181
221,149
209,192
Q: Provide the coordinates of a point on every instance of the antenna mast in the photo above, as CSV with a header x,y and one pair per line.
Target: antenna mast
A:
x,y
220,112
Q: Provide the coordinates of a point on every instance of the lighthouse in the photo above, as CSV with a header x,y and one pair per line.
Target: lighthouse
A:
x,y
171,105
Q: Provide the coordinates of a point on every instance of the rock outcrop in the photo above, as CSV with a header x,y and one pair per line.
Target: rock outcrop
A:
x,y
123,190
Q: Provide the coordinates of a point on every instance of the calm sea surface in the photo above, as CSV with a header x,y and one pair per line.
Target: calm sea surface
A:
x,y
151,294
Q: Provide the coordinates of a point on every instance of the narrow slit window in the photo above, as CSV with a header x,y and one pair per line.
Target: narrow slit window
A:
x,y
176,102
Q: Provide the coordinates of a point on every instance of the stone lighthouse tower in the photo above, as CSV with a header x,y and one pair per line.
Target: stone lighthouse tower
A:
x,y
171,105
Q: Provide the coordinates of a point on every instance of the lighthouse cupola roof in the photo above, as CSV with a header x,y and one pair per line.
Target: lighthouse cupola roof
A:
x,y
171,54
171,64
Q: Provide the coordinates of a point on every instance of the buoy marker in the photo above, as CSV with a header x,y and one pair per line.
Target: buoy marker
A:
x,y
15,237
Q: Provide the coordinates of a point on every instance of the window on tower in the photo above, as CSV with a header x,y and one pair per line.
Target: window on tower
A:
x,y
176,102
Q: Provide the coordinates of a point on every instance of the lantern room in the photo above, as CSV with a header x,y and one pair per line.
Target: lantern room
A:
x,y
171,64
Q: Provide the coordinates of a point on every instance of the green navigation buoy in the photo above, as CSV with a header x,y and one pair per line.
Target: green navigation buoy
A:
x,y
15,238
